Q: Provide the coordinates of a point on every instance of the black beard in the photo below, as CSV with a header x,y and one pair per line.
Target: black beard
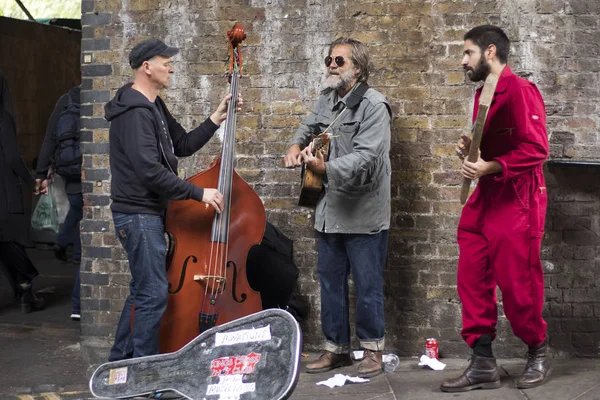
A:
x,y
480,72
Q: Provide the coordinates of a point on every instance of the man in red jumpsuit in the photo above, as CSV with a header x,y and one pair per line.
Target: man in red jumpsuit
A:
x,y
501,226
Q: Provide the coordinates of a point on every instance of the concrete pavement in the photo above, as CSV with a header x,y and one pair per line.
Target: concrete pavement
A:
x,y
40,359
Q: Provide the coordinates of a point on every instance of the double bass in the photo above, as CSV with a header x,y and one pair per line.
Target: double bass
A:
x,y
207,260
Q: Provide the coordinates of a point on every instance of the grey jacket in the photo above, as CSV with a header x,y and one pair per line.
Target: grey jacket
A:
x,y
356,198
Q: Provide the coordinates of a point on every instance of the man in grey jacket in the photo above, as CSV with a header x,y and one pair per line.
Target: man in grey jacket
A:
x,y
353,211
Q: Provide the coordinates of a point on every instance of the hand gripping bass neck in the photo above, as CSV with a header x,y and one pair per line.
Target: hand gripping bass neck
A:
x,y
485,100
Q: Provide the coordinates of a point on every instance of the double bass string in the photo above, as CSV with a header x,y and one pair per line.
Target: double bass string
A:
x,y
217,263
232,111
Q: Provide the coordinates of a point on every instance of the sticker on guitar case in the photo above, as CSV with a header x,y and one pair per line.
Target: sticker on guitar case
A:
x,y
117,376
230,387
243,336
234,365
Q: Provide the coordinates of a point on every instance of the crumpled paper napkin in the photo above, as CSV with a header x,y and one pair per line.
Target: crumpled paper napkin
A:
x,y
432,363
340,380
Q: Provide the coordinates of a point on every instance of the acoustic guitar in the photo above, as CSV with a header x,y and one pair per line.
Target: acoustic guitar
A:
x,y
312,182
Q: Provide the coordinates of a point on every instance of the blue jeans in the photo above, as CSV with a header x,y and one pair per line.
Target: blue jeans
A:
x,y
143,238
70,228
364,256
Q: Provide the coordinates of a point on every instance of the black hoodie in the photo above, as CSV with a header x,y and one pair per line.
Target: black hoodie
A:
x,y
142,168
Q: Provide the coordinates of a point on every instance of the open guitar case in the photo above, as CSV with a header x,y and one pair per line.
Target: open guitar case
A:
x,y
254,357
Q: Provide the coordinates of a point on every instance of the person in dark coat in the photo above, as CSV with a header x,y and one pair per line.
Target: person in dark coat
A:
x,y
14,260
47,162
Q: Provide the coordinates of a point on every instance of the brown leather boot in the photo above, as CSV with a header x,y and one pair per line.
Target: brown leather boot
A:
x,y
482,373
538,367
328,361
371,364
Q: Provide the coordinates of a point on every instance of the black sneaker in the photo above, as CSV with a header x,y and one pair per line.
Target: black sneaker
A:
x,y
60,253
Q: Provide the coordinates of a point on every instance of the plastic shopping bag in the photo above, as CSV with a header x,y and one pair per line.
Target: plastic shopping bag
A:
x,y
45,215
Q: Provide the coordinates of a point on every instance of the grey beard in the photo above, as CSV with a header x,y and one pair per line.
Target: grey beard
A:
x,y
337,81
333,82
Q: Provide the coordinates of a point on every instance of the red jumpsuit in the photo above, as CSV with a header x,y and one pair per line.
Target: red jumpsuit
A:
x,y
501,226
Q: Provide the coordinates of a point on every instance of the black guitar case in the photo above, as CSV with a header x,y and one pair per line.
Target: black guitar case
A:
x,y
254,357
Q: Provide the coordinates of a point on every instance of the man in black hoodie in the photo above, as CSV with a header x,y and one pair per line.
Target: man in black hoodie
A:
x,y
145,141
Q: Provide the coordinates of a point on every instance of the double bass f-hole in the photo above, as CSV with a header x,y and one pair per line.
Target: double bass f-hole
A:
x,y
243,295
182,276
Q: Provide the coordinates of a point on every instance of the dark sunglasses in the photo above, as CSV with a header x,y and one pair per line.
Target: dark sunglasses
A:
x,y
339,61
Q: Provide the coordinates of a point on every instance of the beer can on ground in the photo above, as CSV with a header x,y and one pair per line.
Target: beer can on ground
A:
x,y
431,348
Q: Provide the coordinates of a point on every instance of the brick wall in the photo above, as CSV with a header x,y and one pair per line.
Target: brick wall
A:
x,y
416,48
563,58
41,63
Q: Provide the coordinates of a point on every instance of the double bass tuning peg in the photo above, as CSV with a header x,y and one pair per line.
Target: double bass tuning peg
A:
x,y
236,35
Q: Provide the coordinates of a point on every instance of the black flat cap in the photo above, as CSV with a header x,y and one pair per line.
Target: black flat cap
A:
x,y
147,49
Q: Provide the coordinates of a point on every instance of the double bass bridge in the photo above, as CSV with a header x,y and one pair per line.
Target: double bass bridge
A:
x,y
214,282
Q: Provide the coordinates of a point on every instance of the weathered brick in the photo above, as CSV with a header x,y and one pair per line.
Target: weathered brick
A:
x,y
95,44
94,96
96,70
411,122
94,148
409,8
94,123
94,279
278,121
87,6
95,19
101,136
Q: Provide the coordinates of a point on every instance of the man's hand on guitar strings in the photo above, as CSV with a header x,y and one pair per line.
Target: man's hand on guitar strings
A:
x,y
293,157
315,163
